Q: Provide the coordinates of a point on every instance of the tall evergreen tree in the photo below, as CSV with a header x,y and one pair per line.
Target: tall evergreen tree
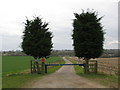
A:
x,y
88,35
37,39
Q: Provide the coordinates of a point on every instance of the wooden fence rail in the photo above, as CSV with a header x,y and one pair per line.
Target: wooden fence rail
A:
x,y
107,68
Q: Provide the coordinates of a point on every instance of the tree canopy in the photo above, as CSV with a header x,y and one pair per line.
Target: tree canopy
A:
x,y
37,40
88,35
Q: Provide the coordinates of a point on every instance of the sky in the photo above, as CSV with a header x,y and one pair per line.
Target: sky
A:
x,y
59,14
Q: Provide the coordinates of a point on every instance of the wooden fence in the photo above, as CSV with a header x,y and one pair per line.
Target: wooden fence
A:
x,y
35,67
107,68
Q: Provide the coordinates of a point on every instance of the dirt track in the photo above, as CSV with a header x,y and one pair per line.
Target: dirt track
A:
x,y
65,77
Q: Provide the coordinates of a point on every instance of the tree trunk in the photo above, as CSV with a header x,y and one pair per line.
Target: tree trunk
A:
x,y
86,65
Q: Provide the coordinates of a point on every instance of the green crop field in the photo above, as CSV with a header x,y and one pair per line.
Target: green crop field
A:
x,y
12,66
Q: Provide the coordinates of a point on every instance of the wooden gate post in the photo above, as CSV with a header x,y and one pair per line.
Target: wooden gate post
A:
x,y
31,66
38,69
43,65
45,68
34,68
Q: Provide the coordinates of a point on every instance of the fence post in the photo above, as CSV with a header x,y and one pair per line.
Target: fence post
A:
x,y
45,68
31,66
34,68
38,69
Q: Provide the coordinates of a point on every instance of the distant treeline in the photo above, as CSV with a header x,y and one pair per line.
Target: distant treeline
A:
x,y
106,54
111,53
13,53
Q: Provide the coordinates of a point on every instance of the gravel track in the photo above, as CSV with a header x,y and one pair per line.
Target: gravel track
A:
x,y
65,77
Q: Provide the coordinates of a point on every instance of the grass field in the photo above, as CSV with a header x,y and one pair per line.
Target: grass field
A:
x,y
14,65
104,79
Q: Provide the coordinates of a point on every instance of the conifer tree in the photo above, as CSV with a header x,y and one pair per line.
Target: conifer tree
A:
x,y
37,39
88,35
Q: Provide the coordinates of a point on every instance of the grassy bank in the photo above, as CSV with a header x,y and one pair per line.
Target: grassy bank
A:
x,y
104,79
18,74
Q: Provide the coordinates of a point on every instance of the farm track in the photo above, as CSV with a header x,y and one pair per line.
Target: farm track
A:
x,y
65,77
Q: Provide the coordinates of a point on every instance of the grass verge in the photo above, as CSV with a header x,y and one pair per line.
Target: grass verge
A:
x,y
104,79
20,79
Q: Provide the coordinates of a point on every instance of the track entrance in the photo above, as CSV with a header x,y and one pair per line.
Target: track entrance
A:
x,y
60,65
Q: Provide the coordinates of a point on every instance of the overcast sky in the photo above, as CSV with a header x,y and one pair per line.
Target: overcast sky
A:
x,y
59,14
